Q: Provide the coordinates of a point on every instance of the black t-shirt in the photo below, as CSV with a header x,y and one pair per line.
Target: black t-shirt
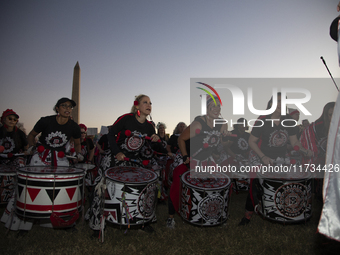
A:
x,y
55,136
126,135
204,144
173,142
104,142
273,138
8,140
240,143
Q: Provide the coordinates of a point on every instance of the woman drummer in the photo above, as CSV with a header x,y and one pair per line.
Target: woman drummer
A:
x,y
268,141
203,138
12,139
56,134
127,137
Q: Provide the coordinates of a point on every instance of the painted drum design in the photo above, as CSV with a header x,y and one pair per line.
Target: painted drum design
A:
x,y
130,196
7,183
286,200
204,201
42,190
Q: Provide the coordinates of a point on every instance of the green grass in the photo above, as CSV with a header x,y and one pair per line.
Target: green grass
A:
x,y
259,237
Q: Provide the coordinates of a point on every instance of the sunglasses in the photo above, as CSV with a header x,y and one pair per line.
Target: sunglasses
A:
x,y
10,119
83,133
66,106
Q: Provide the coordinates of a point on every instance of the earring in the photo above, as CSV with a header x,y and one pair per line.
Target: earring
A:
x,y
138,113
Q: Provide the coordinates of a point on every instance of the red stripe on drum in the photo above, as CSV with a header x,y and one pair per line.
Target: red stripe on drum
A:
x,y
46,208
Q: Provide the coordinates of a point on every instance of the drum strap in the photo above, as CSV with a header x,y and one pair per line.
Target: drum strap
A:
x,y
58,222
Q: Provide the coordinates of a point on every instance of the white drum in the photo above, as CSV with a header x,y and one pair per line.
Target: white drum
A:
x,y
131,195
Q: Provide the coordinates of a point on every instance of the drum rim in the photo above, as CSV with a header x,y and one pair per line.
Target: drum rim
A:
x,y
129,182
21,170
202,188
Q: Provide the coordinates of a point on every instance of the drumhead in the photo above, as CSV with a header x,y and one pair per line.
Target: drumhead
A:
x,y
130,174
7,170
219,181
285,176
50,170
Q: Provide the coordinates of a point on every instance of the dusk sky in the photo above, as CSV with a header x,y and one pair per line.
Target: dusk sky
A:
x,y
125,48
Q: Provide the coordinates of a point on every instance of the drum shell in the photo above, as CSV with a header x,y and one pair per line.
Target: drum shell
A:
x,y
204,206
285,200
38,194
7,182
140,197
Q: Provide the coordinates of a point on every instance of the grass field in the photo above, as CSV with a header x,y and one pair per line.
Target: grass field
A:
x,y
259,237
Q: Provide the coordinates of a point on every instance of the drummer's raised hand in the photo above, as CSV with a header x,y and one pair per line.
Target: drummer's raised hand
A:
x,y
120,156
80,157
155,138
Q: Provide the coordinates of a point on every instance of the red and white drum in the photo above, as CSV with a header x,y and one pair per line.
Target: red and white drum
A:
x,y
205,201
131,195
44,190
7,182
286,198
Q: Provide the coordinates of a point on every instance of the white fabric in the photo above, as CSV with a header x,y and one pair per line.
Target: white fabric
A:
x,y
329,224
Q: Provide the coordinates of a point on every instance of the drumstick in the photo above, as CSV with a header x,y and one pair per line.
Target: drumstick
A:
x,y
9,155
128,134
71,157
144,162
159,153
198,131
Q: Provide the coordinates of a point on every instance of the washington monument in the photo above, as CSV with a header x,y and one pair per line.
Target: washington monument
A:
x,y
76,93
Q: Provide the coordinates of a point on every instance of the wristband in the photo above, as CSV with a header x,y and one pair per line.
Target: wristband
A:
x,y
263,156
185,157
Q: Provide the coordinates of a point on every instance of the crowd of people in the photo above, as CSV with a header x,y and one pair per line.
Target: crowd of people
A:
x,y
135,141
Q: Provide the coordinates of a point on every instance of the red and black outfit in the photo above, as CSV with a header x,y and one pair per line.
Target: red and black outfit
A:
x,y
13,142
127,136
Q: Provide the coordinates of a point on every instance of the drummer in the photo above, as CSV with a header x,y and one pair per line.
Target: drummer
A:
x,y
12,139
161,133
127,137
56,134
87,146
203,139
268,141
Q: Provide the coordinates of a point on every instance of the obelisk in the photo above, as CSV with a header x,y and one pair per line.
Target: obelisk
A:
x,y
76,93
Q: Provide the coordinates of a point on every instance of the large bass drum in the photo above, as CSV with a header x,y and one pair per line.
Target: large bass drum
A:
x,y
286,198
44,191
205,201
131,195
